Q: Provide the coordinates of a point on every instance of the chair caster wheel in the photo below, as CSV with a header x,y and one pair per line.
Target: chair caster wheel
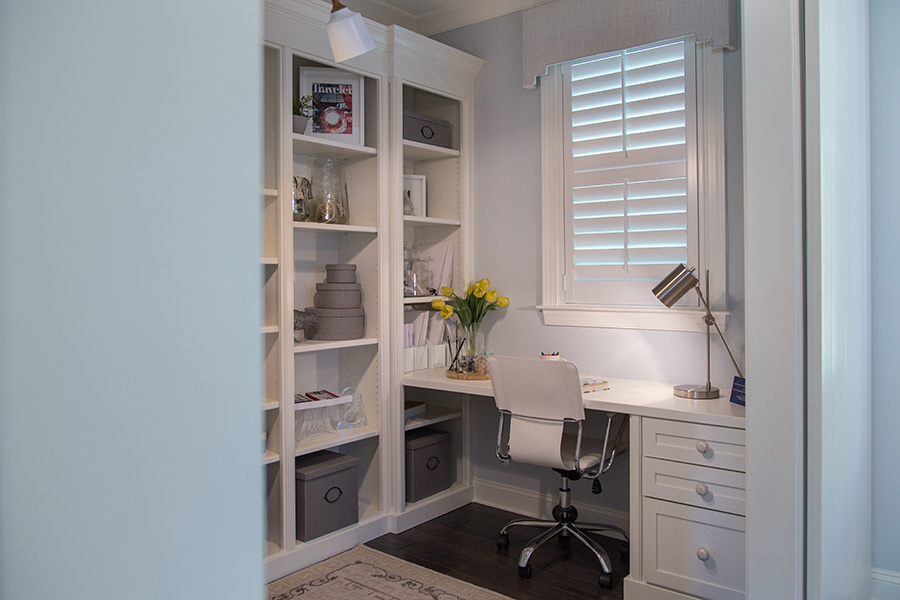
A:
x,y
503,541
606,581
525,572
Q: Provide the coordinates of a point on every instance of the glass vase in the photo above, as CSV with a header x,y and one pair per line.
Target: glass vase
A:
x,y
472,348
330,189
474,339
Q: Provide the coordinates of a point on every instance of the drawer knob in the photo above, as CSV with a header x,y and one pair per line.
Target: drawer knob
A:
x,y
703,554
701,489
702,446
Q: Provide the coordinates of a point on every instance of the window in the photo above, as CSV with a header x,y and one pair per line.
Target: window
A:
x,y
626,136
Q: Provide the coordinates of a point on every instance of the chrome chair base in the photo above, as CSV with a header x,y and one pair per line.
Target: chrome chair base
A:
x,y
556,528
564,525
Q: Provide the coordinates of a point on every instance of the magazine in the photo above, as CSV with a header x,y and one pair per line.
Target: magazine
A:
x,y
332,108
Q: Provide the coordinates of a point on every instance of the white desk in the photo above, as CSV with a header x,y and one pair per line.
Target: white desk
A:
x,y
684,543
626,396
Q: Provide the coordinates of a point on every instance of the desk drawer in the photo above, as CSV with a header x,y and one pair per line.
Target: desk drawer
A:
x,y
703,487
678,538
707,445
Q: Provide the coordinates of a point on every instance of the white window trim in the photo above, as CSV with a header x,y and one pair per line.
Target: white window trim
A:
x,y
712,221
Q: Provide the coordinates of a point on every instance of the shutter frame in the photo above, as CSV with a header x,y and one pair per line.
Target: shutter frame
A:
x,y
619,160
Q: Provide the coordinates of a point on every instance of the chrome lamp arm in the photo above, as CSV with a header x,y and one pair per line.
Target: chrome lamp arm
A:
x,y
669,291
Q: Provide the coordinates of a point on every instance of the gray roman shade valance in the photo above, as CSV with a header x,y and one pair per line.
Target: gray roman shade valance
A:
x,y
565,30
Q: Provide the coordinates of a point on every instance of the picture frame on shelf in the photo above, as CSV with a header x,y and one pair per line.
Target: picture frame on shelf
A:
x,y
414,196
338,100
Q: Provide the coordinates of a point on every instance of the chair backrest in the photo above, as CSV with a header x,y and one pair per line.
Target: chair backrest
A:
x,y
539,395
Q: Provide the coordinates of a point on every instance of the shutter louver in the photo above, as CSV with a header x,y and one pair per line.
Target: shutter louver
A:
x,y
628,191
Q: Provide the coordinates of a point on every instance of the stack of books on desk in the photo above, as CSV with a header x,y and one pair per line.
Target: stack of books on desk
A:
x,y
593,384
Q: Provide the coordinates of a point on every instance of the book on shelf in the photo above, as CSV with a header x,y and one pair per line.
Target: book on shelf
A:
x,y
319,399
320,395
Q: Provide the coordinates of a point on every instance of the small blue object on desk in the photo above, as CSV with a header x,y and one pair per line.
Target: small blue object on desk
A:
x,y
739,390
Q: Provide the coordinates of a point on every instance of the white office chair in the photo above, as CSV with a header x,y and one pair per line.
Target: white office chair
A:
x,y
540,403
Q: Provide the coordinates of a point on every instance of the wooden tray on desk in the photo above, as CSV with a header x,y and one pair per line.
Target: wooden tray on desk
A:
x,y
467,375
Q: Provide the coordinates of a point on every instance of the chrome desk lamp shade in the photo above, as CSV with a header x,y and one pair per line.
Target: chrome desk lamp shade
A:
x,y
347,33
669,291
675,285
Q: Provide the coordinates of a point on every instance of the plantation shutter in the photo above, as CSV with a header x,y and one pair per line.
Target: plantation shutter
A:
x,y
631,197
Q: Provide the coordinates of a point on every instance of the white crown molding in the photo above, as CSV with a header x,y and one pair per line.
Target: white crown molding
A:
x,y
419,49
455,14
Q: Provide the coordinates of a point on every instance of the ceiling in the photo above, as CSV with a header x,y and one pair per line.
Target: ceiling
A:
x,y
429,17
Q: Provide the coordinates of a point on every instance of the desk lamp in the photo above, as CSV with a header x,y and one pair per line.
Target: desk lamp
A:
x,y
347,33
669,291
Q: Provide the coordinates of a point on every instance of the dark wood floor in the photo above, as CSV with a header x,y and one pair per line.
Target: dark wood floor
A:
x,y
462,544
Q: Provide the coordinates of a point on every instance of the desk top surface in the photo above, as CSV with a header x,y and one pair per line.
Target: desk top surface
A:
x,y
630,396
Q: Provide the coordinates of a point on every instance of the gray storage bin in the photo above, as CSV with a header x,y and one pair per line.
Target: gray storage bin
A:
x,y
327,495
426,129
428,467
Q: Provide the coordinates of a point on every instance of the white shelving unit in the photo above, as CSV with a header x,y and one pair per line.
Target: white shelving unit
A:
x,y
406,71
273,279
432,416
430,222
295,38
430,79
335,228
417,151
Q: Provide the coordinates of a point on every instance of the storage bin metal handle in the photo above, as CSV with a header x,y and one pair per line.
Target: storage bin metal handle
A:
x,y
331,498
432,463
427,132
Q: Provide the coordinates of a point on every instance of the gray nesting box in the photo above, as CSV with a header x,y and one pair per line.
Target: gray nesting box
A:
x,y
340,273
428,467
338,295
337,324
327,495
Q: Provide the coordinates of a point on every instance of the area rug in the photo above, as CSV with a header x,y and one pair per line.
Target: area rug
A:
x,y
366,574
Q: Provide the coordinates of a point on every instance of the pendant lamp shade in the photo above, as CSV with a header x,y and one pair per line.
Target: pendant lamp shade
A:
x,y
347,33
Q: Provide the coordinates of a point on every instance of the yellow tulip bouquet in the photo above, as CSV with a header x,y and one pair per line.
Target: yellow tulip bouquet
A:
x,y
470,309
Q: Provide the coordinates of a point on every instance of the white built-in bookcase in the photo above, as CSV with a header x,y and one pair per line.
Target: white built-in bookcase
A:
x,y
433,80
406,71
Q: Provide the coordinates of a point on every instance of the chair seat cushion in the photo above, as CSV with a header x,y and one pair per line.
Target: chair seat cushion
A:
x,y
591,451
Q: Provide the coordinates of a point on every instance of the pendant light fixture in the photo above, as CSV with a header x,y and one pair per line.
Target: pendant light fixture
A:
x,y
347,33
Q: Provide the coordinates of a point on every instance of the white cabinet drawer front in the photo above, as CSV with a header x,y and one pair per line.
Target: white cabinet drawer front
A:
x,y
694,550
704,487
707,445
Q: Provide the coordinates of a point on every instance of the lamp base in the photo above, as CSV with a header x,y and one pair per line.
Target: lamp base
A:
x,y
697,392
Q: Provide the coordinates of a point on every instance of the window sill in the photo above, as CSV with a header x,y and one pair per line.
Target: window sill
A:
x,y
631,317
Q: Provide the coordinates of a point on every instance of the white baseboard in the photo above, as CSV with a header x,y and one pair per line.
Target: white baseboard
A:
x,y
540,506
432,507
885,585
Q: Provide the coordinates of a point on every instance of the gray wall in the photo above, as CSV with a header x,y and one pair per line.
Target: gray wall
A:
x,y
884,17
508,247
129,300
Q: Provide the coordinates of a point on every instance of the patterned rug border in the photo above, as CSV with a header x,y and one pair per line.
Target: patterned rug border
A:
x,y
414,581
